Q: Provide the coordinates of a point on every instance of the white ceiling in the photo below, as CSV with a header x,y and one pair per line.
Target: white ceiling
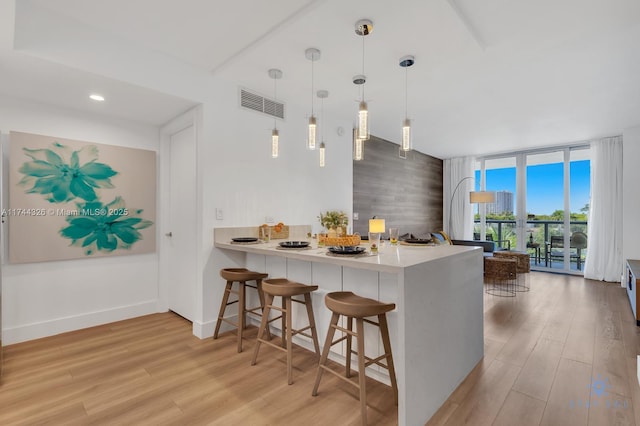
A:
x,y
28,77
490,76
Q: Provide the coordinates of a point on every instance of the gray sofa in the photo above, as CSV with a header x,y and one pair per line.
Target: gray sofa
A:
x,y
488,247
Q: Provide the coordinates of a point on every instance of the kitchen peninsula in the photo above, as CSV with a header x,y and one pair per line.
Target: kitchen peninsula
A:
x,y
436,328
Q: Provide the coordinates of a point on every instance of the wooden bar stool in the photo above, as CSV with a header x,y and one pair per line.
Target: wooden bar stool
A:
x,y
286,289
241,276
352,306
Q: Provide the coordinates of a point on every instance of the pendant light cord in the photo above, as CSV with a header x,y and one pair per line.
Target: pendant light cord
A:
x,y
321,119
406,85
363,67
275,97
312,61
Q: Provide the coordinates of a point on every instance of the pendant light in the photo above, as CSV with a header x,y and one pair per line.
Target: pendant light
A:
x,y
358,147
313,55
275,74
322,94
406,62
363,28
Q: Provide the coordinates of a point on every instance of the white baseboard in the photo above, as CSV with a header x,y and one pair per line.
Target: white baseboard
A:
x,y
76,322
204,330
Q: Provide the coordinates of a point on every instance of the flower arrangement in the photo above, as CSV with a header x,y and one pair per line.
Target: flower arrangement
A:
x,y
333,219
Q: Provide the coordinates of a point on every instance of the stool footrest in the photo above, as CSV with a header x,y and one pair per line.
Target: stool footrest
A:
x,y
344,330
228,321
274,319
303,334
253,310
300,330
376,361
270,343
338,341
335,373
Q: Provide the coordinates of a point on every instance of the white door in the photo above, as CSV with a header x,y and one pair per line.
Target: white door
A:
x,y
179,267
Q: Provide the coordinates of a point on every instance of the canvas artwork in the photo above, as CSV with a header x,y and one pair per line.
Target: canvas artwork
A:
x,y
71,199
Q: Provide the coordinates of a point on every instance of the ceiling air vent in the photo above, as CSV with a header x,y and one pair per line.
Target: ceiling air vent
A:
x,y
261,104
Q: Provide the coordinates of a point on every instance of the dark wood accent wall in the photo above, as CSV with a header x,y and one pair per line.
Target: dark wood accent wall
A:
x,y
406,193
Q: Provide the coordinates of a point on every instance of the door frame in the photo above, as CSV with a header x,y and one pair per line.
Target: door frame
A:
x,y
191,118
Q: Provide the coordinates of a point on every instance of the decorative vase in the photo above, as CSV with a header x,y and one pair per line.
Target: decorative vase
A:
x,y
333,232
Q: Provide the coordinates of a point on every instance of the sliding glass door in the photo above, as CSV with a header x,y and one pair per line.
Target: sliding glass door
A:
x,y
500,224
542,202
545,202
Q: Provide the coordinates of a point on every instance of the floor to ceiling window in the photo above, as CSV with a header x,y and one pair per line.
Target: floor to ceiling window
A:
x,y
541,207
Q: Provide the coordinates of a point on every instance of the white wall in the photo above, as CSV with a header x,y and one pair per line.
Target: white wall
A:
x,y
235,173
41,299
631,195
240,177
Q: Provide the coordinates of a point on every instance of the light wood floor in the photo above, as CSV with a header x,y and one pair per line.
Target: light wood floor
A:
x,y
542,351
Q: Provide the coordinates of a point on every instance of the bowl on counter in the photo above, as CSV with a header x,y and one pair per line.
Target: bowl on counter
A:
x,y
352,250
244,239
294,244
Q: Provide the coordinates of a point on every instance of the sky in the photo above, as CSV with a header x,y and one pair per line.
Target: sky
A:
x,y
545,185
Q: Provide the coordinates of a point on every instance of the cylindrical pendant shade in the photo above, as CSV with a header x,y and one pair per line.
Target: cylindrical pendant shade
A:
x,y
406,135
482,197
358,149
376,225
275,136
363,121
322,154
311,140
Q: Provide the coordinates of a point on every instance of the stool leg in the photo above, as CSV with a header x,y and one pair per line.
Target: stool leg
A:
x,y
284,323
386,343
349,347
241,313
223,307
325,351
312,322
361,370
261,297
289,341
263,325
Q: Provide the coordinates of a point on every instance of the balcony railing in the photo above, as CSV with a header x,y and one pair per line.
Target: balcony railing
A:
x,y
538,231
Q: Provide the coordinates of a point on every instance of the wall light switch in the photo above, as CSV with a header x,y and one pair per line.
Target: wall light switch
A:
x,y
219,214
355,216
268,219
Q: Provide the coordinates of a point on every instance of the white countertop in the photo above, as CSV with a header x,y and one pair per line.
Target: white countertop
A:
x,y
389,258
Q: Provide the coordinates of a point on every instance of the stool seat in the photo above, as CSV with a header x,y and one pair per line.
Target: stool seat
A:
x,y
351,305
284,287
241,274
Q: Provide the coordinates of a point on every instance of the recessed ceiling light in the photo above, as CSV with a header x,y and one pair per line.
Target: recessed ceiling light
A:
x,y
97,97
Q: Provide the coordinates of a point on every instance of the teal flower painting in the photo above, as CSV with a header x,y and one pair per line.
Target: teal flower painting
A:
x,y
104,227
61,175
67,199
